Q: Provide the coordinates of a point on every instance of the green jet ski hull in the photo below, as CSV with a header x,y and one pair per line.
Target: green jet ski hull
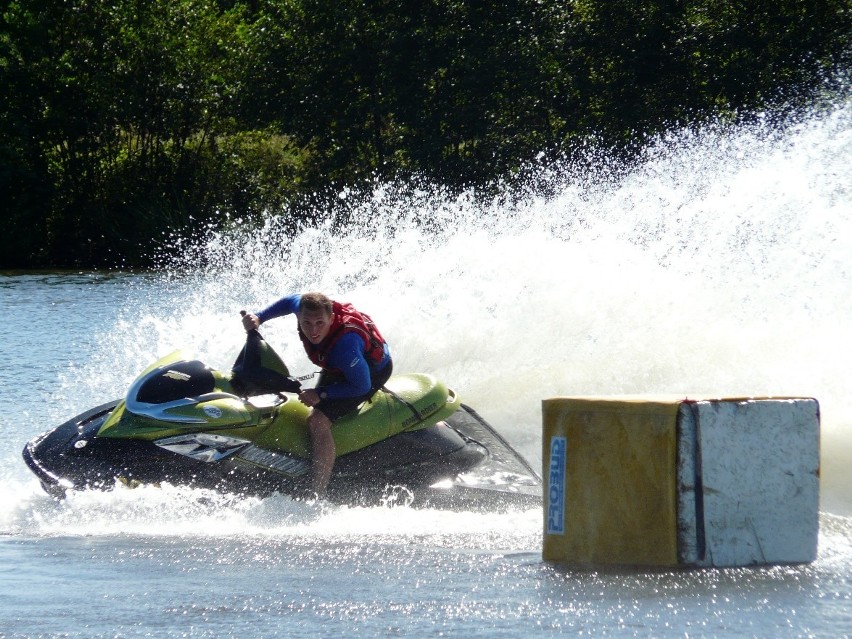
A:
x,y
245,431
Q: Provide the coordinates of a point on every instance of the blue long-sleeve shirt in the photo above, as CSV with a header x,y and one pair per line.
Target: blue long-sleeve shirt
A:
x,y
347,354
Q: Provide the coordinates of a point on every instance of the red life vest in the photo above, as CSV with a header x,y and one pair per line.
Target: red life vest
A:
x,y
346,319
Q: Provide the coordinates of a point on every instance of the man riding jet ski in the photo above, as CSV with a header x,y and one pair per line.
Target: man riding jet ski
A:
x,y
355,362
247,431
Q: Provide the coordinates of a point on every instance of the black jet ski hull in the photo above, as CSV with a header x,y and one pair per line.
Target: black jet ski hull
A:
x,y
73,457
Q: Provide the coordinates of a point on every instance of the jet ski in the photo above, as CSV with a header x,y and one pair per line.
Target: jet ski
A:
x,y
244,431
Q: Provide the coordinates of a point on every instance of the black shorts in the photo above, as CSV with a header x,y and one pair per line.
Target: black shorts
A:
x,y
334,409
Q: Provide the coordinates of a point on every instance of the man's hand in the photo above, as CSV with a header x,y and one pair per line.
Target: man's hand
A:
x,y
250,321
309,397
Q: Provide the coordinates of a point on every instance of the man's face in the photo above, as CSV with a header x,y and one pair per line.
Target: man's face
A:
x,y
315,325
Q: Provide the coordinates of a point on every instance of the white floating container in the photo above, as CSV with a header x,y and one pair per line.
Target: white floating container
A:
x,y
660,482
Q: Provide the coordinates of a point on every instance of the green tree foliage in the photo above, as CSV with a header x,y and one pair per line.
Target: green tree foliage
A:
x,y
436,87
124,123
128,123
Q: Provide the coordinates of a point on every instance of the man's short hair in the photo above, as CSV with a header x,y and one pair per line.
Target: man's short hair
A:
x,y
315,303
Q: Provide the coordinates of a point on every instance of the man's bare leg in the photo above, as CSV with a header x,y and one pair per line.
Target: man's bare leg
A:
x,y
322,451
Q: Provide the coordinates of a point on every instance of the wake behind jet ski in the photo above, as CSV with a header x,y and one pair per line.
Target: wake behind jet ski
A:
x,y
245,432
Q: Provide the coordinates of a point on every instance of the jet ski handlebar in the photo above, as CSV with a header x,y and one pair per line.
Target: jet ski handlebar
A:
x,y
259,369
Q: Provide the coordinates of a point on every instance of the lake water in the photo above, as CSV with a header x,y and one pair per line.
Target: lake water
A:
x,y
720,265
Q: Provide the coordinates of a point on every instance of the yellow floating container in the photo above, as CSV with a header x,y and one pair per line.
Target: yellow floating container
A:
x,y
667,482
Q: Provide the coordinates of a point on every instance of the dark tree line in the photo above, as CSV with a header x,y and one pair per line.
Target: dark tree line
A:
x,y
125,125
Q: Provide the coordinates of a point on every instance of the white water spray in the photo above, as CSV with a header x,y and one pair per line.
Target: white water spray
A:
x,y
719,265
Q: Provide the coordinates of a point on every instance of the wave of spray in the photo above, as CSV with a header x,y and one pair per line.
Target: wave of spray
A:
x,y
717,265
176,511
